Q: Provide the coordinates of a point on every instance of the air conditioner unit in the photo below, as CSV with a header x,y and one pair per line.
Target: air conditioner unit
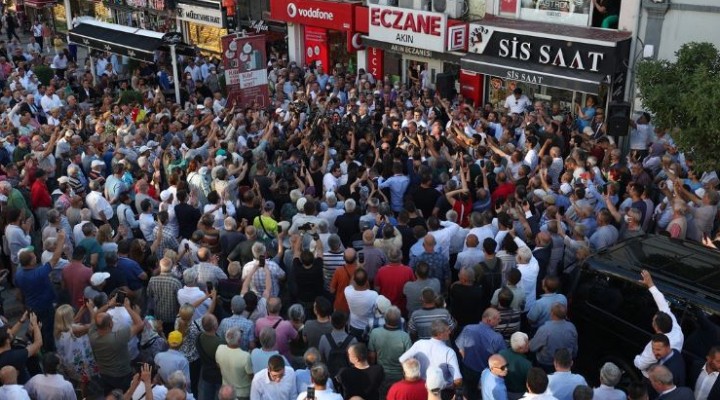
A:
x,y
422,5
391,3
452,8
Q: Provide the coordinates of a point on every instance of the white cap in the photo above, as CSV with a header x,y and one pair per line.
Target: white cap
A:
x,y
220,159
63,179
98,278
96,163
165,195
143,149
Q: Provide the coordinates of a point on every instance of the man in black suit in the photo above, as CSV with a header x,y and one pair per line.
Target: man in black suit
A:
x,y
86,94
542,253
707,386
669,358
662,382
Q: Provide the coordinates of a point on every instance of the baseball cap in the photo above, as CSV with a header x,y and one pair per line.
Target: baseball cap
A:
x,y
382,304
269,205
143,149
434,380
63,179
98,278
175,338
96,163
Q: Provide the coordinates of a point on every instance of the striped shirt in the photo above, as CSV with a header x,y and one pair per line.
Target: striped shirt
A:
x,y
331,262
421,321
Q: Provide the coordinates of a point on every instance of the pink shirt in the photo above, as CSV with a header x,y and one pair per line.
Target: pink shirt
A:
x,y
284,332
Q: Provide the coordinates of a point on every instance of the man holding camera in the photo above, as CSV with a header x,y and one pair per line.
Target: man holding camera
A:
x,y
111,347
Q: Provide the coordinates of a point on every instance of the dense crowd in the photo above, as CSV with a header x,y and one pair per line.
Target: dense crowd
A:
x,y
357,239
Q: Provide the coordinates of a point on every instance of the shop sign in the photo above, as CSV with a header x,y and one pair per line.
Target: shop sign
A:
x,y
457,37
321,14
200,15
258,26
376,61
406,27
567,12
245,70
411,51
316,47
566,53
172,38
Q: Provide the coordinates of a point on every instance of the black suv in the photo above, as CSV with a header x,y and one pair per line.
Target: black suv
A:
x,y
613,311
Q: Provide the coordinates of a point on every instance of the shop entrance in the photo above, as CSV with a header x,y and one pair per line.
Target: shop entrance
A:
x,y
421,72
499,89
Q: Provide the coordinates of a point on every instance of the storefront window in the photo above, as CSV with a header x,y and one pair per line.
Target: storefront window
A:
x,y
596,13
207,38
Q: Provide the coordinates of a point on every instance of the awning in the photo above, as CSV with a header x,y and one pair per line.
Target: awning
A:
x,y
545,75
139,47
452,57
39,4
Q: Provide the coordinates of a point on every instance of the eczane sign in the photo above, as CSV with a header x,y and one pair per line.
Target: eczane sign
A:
x,y
420,29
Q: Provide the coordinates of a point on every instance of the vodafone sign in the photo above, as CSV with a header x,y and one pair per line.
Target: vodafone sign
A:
x,y
321,14
420,29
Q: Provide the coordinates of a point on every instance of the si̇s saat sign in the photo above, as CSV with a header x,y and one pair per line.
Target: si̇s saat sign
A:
x,y
406,27
321,14
571,54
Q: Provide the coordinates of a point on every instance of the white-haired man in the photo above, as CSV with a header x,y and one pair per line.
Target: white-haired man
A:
x,y
234,362
260,260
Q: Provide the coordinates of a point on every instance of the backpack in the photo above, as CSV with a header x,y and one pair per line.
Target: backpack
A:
x,y
491,277
338,358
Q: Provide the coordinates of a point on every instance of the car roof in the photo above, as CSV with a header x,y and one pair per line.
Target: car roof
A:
x,y
687,270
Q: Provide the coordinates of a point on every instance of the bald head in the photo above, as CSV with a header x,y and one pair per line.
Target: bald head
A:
x,y
471,241
8,375
496,361
491,316
350,256
543,239
429,242
203,254
368,237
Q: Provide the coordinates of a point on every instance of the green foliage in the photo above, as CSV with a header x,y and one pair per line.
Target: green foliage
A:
x,y
684,95
130,97
44,74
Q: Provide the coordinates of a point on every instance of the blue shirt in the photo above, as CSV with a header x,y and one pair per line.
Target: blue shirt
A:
x,y
398,184
479,342
171,361
554,335
36,287
438,265
493,386
131,270
563,383
540,311
604,236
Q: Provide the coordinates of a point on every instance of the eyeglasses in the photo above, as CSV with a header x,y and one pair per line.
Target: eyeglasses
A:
x,y
502,367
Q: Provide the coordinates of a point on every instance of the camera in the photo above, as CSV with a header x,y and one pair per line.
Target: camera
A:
x,y
306,226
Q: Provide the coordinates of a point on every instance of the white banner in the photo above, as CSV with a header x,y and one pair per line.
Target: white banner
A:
x,y
200,15
406,27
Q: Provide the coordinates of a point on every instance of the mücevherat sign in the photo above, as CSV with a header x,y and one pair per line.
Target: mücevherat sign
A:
x,y
406,27
569,53
211,16
321,14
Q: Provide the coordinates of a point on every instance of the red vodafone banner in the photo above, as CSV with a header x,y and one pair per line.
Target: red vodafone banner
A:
x,y
245,70
322,14
316,47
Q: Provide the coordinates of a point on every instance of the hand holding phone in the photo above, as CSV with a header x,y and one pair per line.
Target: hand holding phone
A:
x,y
209,286
261,261
120,298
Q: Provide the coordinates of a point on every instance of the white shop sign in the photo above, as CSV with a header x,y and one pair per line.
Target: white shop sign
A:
x,y
419,29
200,15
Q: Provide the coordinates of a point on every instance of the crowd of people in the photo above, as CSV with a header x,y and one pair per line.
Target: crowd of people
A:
x,y
358,239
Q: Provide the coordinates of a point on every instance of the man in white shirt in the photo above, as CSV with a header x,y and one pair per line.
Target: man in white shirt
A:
x,y
191,294
99,206
361,301
276,382
10,389
529,268
664,322
50,384
50,100
435,353
707,386
517,103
